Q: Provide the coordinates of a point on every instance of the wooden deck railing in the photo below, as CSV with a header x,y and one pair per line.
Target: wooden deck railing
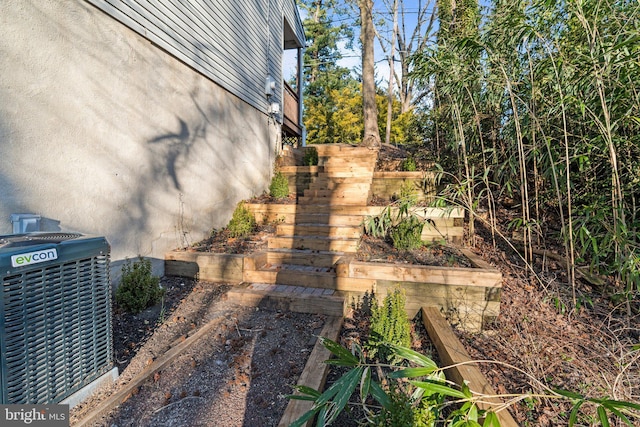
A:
x,y
290,110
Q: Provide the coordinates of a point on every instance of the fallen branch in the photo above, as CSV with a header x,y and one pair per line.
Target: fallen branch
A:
x,y
582,272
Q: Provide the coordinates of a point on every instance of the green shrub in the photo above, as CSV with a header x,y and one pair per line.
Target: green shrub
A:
x,y
408,165
310,156
138,288
389,325
408,192
279,187
403,410
407,234
242,222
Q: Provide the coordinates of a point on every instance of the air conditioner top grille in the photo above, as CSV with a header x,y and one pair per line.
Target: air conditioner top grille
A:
x,y
58,247
17,240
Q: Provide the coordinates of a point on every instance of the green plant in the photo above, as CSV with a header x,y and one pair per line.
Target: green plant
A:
x,y
408,165
420,405
378,225
138,288
403,410
407,234
163,312
404,228
242,223
310,156
408,192
426,393
389,325
279,187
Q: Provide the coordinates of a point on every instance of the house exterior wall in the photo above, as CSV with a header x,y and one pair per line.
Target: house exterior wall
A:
x,y
226,40
104,133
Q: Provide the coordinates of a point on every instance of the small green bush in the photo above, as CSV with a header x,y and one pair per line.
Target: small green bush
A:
x,y
408,165
242,222
408,192
279,187
389,325
407,234
310,157
404,410
138,288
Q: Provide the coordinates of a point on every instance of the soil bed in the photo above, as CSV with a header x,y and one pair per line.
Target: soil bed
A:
x,y
223,243
237,376
373,249
355,329
390,158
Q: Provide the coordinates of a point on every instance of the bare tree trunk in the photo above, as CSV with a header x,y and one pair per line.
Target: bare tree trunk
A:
x,y
409,44
387,138
367,33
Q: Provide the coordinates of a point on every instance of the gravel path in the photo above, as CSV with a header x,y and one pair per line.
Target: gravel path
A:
x,y
236,376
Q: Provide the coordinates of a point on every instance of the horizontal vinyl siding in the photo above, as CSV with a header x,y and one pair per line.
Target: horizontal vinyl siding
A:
x,y
227,41
276,48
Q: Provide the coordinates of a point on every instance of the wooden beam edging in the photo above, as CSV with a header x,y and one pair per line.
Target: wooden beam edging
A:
x,y
476,260
121,396
314,374
452,352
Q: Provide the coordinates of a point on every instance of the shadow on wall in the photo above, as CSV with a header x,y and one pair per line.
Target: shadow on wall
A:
x,y
152,144
196,173
49,224
176,145
230,143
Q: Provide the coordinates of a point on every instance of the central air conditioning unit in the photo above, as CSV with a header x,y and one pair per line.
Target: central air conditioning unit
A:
x,y
55,316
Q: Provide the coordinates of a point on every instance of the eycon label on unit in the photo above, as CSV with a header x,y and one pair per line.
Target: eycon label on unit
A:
x,y
20,260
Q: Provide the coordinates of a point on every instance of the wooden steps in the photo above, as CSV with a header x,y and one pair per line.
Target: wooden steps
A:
x,y
275,210
314,243
325,180
346,193
330,220
347,201
335,150
321,229
303,257
289,298
296,275
316,234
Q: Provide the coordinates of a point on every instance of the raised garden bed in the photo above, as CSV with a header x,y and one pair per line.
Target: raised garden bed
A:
x,y
208,266
449,352
441,224
469,295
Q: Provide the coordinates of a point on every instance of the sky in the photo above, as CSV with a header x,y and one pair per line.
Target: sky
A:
x,y
351,58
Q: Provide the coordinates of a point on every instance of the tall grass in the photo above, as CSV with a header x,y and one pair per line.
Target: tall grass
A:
x,y
544,99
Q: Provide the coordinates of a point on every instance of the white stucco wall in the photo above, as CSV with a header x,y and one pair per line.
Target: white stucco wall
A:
x,y
103,133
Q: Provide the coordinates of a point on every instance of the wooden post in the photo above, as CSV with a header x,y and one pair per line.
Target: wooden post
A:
x,y
452,352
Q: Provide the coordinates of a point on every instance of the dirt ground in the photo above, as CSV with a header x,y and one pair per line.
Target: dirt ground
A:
x,y
592,350
236,376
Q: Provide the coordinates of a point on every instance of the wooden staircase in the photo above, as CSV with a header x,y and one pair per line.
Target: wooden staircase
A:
x,y
301,258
